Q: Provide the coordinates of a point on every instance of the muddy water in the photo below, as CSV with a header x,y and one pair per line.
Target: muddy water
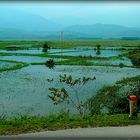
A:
x,y
25,91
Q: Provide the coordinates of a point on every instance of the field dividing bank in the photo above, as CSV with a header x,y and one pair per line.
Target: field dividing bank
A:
x,y
85,63
68,44
15,65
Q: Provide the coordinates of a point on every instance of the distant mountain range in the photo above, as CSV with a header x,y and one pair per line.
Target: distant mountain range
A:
x,y
104,30
17,19
15,24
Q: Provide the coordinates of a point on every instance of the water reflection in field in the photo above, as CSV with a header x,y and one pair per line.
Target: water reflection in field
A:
x,y
25,91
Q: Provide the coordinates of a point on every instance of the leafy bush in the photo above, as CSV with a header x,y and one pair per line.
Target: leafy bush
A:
x,y
121,65
114,99
60,95
135,61
134,57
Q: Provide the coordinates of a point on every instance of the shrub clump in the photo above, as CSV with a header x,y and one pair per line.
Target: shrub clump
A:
x,y
50,63
134,57
114,99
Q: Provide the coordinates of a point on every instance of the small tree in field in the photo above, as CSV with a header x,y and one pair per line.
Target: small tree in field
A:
x,y
98,46
98,52
50,63
45,47
60,95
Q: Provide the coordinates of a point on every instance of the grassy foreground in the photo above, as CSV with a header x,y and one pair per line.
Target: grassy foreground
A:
x,y
62,120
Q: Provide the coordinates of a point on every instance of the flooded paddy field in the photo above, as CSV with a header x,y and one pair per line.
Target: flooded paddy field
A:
x,y
6,64
26,91
27,59
107,48
36,51
101,53
124,61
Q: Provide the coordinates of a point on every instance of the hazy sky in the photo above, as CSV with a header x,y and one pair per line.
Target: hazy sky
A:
x,y
68,13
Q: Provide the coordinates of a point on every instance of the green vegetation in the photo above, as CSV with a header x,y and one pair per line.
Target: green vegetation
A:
x,y
15,67
114,99
70,60
68,44
19,44
82,62
135,57
86,63
77,60
71,44
24,124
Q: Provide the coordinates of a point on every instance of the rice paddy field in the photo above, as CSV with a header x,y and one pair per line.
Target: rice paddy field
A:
x,y
24,75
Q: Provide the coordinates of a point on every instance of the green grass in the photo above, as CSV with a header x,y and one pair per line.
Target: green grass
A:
x,y
59,121
87,63
5,43
69,44
128,79
62,120
83,62
135,57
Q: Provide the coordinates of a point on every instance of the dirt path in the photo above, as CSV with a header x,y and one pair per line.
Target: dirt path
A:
x,y
106,132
